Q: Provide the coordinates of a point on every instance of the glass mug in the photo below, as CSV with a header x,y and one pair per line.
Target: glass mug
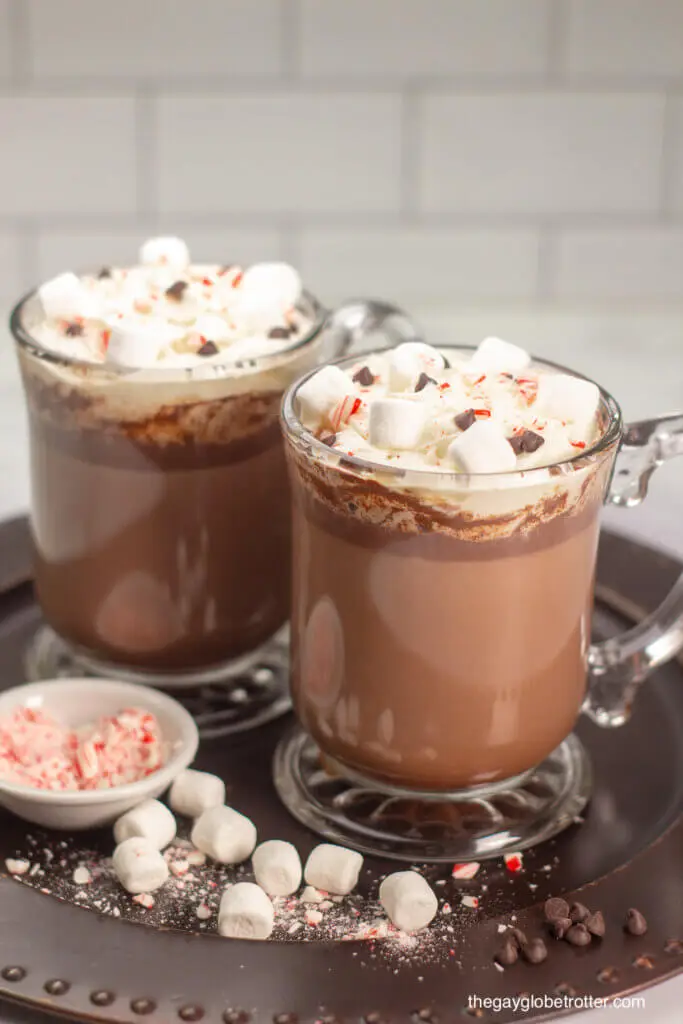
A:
x,y
160,503
441,623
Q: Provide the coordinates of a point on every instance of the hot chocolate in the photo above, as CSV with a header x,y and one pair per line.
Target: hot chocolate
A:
x,y
445,528
160,499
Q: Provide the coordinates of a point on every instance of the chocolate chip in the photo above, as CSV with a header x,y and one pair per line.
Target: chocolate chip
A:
x,y
177,290
535,952
278,332
635,923
328,439
73,330
104,273
578,935
508,954
364,377
608,975
578,913
519,937
422,381
560,926
465,419
555,908
527,441
595,923
209,348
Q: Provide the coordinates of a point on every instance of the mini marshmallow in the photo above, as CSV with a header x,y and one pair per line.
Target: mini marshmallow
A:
x,y
169,250
496,354
245,912
482,448
65,297
396,423
139,866
320,394
568,398
277,867
150,820
224,834
408,361
212,327
138,342
408,900
333,868
194,792
277,284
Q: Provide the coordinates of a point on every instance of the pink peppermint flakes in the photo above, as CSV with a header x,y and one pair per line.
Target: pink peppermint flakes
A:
x,y
465,871
144,899
513,862
470,901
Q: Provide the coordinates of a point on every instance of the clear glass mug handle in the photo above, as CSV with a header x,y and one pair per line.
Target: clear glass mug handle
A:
x,y
618,666
359,319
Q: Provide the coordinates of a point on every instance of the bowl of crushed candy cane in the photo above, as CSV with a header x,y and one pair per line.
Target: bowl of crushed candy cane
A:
x,y
77,753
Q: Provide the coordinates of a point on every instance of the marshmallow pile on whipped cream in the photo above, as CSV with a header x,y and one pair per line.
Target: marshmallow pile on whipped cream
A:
x,y
169,312
489,412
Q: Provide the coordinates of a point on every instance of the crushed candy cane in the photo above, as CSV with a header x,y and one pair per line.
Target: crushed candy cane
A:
x,y
17,867
470,901
513,862
37,751
465,871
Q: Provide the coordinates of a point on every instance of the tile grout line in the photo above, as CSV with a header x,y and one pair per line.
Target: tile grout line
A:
x,y
670,160
409,164
547,263
20,48
290,40
146,163
558,27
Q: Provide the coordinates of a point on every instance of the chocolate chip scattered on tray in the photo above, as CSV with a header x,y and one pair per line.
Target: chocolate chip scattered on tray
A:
x,y
578,935
535,952
508,954
422,381
328,439
555,908
209,348
278,332
364,377
104,273
518,936
560,926
177,290
595,923
465,419
635,923
73,330
578,913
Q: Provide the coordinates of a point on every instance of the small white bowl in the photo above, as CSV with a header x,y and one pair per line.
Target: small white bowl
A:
x,y
75,702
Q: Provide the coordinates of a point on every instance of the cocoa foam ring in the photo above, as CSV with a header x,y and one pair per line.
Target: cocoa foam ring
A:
x,y
322,658
498,355
225,835
397,423
319,395
194,792
245,912
568,398
139,866
167,249
65,297
408,360
150,820
483,448
277,867
333,868
408,900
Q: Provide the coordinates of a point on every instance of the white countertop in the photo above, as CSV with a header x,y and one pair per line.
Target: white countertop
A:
x,y
636,354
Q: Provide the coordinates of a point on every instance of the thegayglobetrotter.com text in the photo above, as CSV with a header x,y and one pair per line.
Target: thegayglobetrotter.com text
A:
x,y
526,1003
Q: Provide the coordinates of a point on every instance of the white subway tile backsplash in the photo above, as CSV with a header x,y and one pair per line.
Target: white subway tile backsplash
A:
x,y
67,155
629,263
278,153
541,154
5,40
148,39
676,155
12,279
421,265
404,39
621,38
66,250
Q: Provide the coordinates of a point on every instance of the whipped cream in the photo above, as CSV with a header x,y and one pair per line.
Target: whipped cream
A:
x,y
493,411
166,312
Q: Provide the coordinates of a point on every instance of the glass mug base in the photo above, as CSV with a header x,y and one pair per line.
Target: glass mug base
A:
x,y
400,824
229,698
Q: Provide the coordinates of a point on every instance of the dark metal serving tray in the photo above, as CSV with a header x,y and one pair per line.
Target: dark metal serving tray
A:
x,y
58,957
